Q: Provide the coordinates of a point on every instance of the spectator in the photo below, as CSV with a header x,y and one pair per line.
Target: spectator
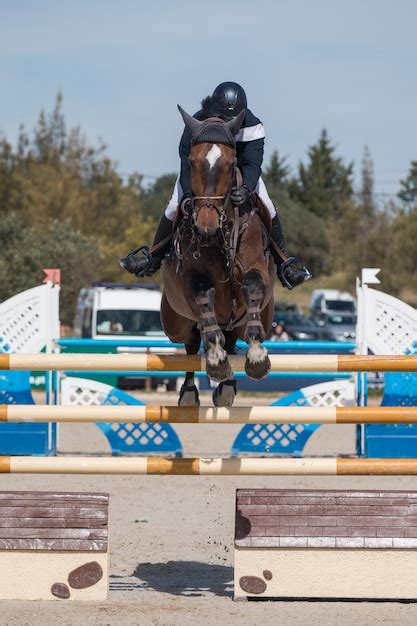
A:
x,y
279,333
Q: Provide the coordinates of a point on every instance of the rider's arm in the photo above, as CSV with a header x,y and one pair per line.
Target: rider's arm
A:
x,y
250,149
250,159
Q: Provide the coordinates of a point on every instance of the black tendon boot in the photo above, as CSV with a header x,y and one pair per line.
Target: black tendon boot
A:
x,y
148,265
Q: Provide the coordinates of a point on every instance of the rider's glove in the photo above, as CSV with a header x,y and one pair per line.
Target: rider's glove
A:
x,y
240,195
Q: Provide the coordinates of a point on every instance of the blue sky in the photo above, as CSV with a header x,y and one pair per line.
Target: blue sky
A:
x,y
123,66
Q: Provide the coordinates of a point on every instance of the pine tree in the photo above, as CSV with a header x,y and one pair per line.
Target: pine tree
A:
x,y
325,182
276,174
408,191
366,193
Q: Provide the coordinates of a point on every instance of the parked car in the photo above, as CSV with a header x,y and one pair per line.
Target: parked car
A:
x,y
297,325
335,312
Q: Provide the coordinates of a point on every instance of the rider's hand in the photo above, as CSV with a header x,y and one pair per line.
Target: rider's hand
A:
x,y
240,195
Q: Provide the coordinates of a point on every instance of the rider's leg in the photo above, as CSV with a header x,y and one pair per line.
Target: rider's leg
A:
x,y
165,224
295,275
138,266
277,232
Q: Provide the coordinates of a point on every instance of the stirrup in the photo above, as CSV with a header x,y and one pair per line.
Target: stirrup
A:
x,y
287,269
132,258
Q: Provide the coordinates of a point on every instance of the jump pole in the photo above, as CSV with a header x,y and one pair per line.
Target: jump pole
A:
x,y
207,467
169,362
208,415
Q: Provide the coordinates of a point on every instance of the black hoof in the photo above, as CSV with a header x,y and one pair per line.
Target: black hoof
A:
x,y
259,369
225,393
189,396
220,371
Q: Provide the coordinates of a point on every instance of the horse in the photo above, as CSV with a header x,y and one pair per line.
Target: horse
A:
x,y
218,279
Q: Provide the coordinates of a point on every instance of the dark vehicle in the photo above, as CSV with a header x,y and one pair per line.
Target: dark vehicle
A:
x,y
335,312
338,326
297,325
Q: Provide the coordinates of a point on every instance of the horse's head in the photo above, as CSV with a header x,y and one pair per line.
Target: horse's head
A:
x,y
212,161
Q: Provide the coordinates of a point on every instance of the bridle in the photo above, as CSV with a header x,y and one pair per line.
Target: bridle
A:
x,y
209,202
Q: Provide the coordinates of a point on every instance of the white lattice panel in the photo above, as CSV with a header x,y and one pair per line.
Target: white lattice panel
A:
x,y
335,393
390,325
83,391
29,321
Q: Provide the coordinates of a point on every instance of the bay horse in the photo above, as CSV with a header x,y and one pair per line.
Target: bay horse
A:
x,y
219,277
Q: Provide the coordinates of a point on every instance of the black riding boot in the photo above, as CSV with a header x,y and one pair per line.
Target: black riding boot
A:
x,y
140,266
277,235
292,272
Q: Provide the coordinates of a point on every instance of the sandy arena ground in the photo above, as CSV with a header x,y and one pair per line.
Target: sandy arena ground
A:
x,y
171,540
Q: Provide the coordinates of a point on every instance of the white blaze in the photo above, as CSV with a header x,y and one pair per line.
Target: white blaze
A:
x,y
213,154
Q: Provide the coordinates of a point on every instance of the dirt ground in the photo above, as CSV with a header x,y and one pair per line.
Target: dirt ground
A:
x,y
171,540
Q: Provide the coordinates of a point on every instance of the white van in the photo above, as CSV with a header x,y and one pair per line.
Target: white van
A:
x,y
118,311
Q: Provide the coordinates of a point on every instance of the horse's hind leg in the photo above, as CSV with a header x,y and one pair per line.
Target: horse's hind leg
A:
x,y
217,363
225,392
257,363
189,395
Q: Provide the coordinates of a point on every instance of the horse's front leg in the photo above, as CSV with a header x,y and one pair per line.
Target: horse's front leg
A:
x,y
217,364
257,363
189,395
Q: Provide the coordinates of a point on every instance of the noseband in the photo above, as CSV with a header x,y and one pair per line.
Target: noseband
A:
x,y
209,202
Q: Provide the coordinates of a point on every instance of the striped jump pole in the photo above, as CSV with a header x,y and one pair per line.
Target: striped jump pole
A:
x,y
208,415
169,362
207,467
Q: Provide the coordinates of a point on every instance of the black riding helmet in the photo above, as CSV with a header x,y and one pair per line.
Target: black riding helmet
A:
x,y
231,96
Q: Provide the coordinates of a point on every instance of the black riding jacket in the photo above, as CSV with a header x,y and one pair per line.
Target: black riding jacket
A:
x,y
249,152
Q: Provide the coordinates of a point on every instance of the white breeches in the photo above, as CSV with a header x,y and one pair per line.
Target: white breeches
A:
x,y
260,189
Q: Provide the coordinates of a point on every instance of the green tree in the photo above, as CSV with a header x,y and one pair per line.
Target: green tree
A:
x,y
366,192
55,175
26,250
408,186
325,182
277,172
156,196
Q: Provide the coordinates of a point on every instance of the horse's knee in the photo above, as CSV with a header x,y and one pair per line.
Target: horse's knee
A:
x,y
200,284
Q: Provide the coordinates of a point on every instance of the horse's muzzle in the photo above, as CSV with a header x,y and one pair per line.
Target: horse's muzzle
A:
x,y
205,233
207,222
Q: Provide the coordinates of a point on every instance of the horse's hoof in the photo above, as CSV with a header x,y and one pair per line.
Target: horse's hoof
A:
x,y
257,364
189,396
225,393
219,371
217,364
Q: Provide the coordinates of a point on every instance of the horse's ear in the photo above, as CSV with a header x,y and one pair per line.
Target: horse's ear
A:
x,y
236,122
190,121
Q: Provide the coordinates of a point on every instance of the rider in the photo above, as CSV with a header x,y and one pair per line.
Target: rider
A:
x,y
227,101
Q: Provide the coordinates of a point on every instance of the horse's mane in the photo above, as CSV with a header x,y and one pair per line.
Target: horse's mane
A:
x,y
212,107
214,131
